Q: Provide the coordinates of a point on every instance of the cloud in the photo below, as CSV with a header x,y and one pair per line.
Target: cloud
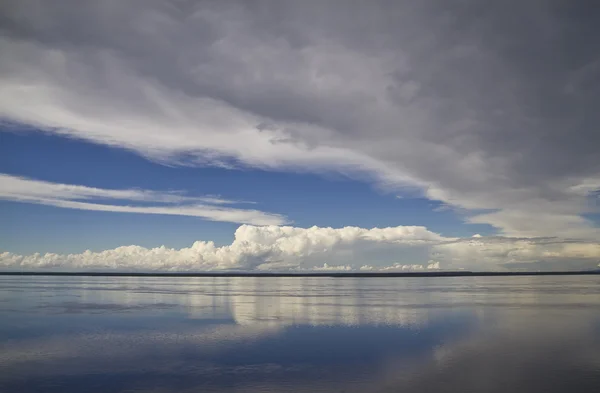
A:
x,y
399,93
397,267
68,196
254,247
524,253
327,268
275,248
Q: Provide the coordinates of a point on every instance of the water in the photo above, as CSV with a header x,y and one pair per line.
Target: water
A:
x,y
464,334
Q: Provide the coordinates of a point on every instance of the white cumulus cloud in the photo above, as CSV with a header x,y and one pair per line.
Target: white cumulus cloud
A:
x,y
254,247
276,248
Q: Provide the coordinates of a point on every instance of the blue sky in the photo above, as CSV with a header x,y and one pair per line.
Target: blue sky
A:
x,y
305,199
302,136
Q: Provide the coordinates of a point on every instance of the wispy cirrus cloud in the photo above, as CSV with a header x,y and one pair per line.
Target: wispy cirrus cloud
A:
x,y
70,196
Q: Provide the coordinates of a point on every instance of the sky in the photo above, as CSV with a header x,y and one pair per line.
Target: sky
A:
x,y
299,135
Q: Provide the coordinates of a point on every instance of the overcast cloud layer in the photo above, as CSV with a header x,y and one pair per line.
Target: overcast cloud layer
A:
x,y
481,106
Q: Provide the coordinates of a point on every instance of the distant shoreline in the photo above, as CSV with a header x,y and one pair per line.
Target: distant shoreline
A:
x,y
323,274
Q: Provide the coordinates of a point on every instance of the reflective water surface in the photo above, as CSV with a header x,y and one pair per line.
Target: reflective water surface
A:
x,y
464,334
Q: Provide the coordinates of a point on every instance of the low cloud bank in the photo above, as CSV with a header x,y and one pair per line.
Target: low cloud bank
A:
x,y
286,248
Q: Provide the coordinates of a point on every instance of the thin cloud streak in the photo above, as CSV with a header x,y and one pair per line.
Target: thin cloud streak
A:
x,y
69,196
18,187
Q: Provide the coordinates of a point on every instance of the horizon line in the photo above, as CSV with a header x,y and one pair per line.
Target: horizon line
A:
x,y
306,274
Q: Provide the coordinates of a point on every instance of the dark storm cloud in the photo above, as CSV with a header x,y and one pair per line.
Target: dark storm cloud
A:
x,y
480,105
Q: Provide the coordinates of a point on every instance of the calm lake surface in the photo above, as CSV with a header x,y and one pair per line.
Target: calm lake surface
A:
x,y
463,334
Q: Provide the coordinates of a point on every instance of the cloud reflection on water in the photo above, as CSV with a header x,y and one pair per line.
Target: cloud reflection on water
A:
x,y
272,335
